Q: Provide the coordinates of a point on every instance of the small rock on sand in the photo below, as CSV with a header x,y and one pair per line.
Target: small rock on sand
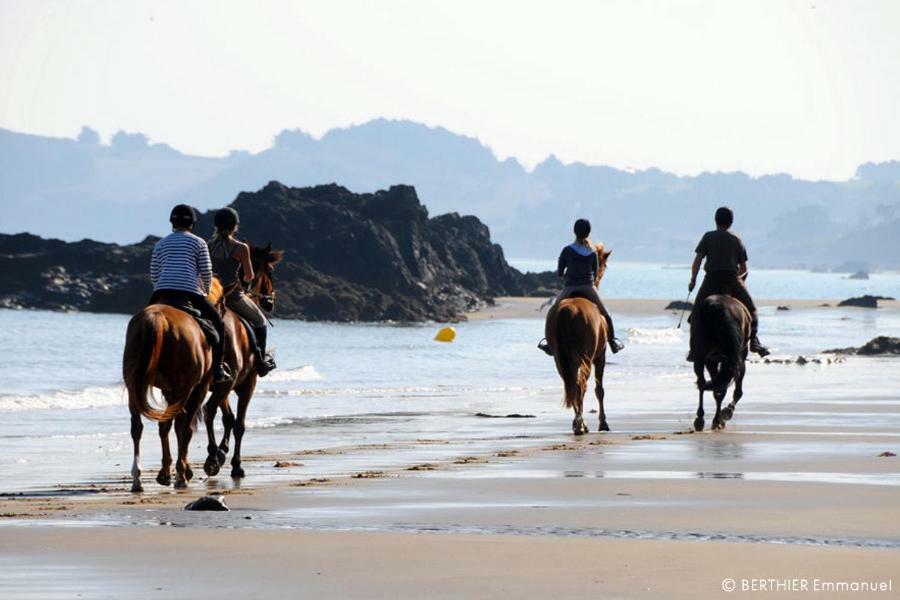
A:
x,y
211,502
886,453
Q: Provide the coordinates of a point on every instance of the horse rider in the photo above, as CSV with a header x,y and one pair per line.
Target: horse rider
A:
x,y
726,270
181,272
232,265
579,264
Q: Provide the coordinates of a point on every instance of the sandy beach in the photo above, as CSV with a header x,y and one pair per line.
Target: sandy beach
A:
x,y
801,487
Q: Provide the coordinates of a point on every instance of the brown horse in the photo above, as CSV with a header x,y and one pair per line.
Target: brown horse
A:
x,y
720,333
166,348
241,359
577,334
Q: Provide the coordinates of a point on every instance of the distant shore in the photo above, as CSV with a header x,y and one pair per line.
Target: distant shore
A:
x,y
516,307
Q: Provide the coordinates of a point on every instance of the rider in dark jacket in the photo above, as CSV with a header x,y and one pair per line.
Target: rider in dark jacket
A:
x,y
578,265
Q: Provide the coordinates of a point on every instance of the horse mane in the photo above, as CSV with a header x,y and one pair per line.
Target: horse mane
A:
x,y
216,291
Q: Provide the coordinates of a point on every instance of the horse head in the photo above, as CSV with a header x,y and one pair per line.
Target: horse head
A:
x,y
603,258
262,288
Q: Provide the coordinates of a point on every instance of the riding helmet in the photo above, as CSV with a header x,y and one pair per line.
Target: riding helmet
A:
x,y
183,216
226,218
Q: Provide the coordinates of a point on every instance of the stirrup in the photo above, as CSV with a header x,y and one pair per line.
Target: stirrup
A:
x,y
545,346
266,365
615,344
222,374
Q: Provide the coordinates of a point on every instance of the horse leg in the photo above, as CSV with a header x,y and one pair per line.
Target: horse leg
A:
x,y
599,365
728,411
227,428
580,388
244,394
137,427
701,381
184,431
164,477
212,464
718,422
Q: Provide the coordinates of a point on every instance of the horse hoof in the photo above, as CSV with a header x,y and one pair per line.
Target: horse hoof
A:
x,y
211,466
237,473
137,487
718,425
180,484
698,424
188,473
727,413
603,426
164,479
222,456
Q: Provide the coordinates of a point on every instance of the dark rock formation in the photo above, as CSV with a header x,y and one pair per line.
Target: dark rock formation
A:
x,y
679,305
881,345
866,301
348,257
859,275
215,502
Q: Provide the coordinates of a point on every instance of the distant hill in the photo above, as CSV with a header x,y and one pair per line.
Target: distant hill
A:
x,y
119,192
347,257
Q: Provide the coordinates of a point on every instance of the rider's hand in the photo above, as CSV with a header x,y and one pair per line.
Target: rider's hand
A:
x,y
691,285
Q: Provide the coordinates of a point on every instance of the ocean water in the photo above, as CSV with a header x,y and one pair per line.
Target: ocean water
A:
x,y
64,416
651,280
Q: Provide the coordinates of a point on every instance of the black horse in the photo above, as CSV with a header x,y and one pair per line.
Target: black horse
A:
x,y
720,332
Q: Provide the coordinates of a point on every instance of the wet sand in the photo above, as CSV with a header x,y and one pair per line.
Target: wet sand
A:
x,y
622,515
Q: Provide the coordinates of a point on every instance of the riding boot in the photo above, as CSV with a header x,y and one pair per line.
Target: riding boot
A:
x,y
221,372
615,344
755,345
545,347
264,361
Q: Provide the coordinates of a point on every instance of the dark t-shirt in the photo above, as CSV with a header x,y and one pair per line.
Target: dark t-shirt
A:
x,y
723,251
578,265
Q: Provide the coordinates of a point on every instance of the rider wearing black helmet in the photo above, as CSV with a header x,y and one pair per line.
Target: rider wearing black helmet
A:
x,y
181,272
230,260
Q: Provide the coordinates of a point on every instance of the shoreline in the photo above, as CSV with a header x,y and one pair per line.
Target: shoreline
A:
x,y
526,307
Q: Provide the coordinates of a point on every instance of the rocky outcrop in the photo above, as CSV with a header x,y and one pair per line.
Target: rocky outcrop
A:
x,y
866,301
348,257
879,346
679,305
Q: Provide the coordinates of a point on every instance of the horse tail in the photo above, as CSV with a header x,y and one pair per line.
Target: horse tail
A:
x,y
143,348
571,361
720,324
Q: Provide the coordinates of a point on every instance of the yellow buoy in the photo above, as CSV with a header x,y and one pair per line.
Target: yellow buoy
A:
x,y
446,334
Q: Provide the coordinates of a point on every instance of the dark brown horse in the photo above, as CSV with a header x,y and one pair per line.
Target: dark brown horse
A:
x,y
241,359
165,348
720,332
577,334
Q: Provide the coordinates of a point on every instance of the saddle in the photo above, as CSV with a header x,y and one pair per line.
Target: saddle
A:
x,y
184,305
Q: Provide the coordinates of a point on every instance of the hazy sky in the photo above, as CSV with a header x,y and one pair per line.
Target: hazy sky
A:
x,y
811,88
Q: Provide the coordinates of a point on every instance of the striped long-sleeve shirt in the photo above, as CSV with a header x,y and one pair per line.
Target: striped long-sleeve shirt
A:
x,y
181,262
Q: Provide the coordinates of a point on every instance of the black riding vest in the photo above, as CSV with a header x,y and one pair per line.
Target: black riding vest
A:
x,y
225,265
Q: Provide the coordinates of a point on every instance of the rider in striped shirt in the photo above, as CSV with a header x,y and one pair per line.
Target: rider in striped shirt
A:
x,y
181,272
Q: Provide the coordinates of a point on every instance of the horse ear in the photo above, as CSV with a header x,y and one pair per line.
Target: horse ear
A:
x,y
606,255
275,256
268,247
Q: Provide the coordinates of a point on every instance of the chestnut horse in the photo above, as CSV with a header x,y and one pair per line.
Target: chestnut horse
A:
x,y
720,334
577,334
166,348
241,359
